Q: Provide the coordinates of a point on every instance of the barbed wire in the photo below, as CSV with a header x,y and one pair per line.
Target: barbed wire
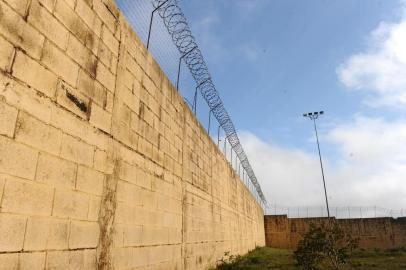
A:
x,y
178,28
171,41
339,212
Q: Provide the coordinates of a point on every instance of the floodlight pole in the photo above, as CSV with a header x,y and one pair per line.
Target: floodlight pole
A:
x,y
314,116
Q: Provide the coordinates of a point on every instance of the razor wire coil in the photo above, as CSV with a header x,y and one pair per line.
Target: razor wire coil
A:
x,y
178,28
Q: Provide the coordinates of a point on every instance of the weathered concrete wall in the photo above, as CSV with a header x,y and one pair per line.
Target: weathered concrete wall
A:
x,y
102,165
383,233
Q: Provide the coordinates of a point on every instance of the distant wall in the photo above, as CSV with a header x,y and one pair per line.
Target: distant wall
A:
x,y
383,233
102,164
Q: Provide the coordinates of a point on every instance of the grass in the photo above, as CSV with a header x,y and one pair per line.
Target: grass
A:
x,y
273,259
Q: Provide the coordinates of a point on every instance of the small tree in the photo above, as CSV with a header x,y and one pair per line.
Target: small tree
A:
x,y
325,243
309,252
339,246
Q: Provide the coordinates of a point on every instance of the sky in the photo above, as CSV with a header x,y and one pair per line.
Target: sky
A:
x,y
273,60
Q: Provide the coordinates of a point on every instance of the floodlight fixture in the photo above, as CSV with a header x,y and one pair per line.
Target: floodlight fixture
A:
x,y
313,116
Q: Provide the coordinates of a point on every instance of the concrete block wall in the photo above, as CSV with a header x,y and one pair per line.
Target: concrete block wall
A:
x,y
382,233
102,164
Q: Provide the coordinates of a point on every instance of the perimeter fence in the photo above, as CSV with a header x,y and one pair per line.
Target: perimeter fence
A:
x,y
340,212
165,32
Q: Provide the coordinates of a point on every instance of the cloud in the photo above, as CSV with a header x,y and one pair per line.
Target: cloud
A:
x,y
372,162
287,176
380,70
250,51
248,7
370,169
204,30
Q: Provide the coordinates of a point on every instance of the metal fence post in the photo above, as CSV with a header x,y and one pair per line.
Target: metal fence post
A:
x,y
231,159
218,136
180,62
208,129
195,95
150,22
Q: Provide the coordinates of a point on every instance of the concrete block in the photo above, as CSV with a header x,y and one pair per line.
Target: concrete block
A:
x,y
128,79
12,229
6,54
140,257
144,179
19,5
128,172
32,261
74,23
109,102
71,204
2,184
89,181
94,208
126,214
57,260
14,28
122,258
27,197
86,13
129,193
8,118
59,63
72,100
100,118
69,123
105,15
134,68
39,78
46,233
77,151
105,77
79,128
82,55
8,261
37,134
131,100
113,9
102,162
48,25
22,97
89,259
56,172
91,88
48,4
132,235
81,259
105,55
109,39
154,236
71,3
83,234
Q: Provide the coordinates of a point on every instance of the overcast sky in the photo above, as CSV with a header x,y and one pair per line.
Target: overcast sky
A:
x,y
273,60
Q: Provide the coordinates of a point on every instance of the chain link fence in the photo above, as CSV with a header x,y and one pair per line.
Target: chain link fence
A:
x,y
340,212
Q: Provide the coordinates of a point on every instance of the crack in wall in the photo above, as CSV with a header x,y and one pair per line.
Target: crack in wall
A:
x,y
106,218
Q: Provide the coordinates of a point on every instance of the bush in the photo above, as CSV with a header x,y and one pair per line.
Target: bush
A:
x,y
228,261
326,243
